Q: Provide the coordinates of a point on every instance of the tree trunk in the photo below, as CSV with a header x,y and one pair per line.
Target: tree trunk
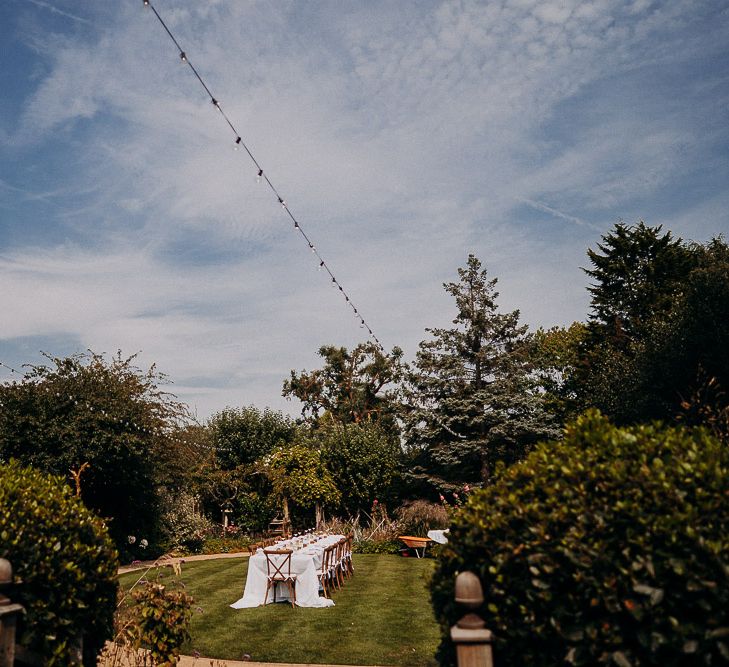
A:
x,y
485,467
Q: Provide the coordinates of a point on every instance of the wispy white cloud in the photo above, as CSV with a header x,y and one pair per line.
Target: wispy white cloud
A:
x,y
403,137
60,12
539,206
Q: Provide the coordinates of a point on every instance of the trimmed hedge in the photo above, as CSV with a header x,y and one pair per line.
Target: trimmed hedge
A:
x,y
64,564
376,547
609,547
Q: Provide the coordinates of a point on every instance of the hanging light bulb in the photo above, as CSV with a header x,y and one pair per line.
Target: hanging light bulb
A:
x,y
282,202
321,265
214,102
236,145
296,225
183,57
259,175
146,3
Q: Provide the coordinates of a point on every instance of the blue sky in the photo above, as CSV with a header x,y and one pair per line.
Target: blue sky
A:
x,y
402,135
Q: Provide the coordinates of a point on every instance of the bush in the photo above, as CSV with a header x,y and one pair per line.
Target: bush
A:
x,y
155,617
215,544
420,516
376,547
64,562
183,527
610,547
111,415
253,512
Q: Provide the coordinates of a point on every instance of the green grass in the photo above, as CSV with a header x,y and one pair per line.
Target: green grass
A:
x,y
382,616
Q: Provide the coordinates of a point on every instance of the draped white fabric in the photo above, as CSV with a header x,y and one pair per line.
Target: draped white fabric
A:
x,y
305,561
439,536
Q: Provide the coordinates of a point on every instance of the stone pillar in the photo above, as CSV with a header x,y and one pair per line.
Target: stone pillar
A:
x,y
472,639
9,612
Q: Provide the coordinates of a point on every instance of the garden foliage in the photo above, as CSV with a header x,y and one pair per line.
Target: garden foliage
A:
x,y
471,399
162,621
108,421
64,562
353,386
363,459
655,332
152,621
183,525
417,517
610,547
299,474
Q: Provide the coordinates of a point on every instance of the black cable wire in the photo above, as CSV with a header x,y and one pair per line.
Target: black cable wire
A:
x,y
264,176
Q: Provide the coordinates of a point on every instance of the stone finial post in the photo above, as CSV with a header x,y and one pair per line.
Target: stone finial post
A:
x,y
9,612
472,639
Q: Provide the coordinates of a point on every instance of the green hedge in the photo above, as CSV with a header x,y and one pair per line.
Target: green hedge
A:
x,y
377,547
64,564
609,547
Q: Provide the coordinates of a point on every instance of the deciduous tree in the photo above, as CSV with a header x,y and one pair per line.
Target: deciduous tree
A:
x,y
352,386
109,414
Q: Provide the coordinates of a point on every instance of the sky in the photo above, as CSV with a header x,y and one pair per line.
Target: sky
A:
x,y
402,135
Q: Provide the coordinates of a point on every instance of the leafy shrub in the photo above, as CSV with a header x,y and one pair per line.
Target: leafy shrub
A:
x,y
215,544
364,458
64,561
376,546
420,516
610,547
154,616
111,415
183,527
253,511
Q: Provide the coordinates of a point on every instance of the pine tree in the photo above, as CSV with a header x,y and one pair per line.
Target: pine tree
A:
x,y
638,273
471,400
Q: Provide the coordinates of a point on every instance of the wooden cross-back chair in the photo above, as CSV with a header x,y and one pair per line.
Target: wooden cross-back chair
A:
x,y
278,571
348,565
325,571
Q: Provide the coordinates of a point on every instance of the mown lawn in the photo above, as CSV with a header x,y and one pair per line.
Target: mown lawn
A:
x,y
382,616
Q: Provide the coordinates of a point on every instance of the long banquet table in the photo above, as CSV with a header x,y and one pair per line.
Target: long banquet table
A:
x,y
305,561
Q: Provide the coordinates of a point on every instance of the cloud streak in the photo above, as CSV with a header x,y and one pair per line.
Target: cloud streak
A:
x,y
59,12
402,138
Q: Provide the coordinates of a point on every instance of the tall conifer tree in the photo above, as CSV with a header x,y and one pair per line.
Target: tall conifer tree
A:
x,y
471,399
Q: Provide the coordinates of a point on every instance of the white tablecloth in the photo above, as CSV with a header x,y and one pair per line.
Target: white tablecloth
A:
x,y
439,536
304,564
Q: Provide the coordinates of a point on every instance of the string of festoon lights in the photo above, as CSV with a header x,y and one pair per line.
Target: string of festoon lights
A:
x,y
262,176
10,368
114,420
76,400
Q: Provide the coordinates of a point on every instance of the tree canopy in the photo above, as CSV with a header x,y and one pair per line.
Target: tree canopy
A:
x,y
471,401
637,272
352,386
364,459
105,422
656,333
